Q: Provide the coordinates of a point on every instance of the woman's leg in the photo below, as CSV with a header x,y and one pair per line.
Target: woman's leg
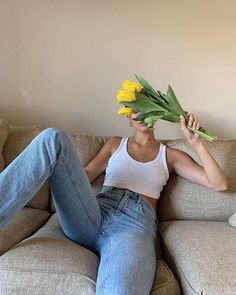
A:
x,y
127,265
127,247
51,154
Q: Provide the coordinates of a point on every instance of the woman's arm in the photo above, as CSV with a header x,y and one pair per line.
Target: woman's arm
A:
x,y
99,163
210,173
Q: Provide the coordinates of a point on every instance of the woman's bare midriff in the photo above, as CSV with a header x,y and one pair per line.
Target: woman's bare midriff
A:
x,y
151,200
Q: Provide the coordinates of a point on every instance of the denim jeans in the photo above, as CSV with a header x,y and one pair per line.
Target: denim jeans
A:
x,y
117,224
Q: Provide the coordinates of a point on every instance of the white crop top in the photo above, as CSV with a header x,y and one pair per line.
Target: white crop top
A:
x,y
144,178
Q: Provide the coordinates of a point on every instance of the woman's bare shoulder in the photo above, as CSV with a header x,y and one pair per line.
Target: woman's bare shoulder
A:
x,y
172,155
114,142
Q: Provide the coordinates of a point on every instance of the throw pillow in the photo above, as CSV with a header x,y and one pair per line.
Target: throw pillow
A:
x,y
232,220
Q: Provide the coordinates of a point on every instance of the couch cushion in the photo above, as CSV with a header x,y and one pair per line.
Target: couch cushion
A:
x,y
202,255
17,141
182,199
25,223
4,130
164,283
55,265
48,263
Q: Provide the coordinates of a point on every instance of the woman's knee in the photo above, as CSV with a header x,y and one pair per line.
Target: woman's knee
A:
x,y
52,132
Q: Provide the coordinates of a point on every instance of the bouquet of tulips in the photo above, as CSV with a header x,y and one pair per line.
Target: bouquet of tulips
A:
x,y
152,105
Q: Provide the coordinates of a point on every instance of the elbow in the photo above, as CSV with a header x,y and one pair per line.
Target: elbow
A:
x,y
223,186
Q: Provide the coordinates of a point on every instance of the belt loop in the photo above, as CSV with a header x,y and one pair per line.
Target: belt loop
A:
x,y
122,202
139,200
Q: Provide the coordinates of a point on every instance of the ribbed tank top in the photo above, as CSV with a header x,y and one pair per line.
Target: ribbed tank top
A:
x,y
144,178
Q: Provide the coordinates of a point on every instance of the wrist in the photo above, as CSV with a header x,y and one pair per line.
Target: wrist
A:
x,y
197,146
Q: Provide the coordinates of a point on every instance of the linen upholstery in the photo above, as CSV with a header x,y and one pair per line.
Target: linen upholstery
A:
x,y
164,283
204,253
46,283
18,139
182,199
25,223
48,263
71,267
4,130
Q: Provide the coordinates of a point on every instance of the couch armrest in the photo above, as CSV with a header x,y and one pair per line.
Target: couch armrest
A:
x,y
22,226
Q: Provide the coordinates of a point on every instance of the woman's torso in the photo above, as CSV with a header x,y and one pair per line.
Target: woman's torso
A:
x,y
142,155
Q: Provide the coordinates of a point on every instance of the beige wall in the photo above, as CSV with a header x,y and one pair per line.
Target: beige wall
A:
x,y
62,61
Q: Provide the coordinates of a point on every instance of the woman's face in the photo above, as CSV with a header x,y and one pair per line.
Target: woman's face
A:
x,y
139,125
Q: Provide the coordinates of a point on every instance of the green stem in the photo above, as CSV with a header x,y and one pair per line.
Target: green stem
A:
x,y
203,134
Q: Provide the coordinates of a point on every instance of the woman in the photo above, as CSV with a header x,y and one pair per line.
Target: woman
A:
x,y
119,223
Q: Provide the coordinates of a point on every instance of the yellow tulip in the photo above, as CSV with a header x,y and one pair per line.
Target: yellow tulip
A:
x,y
131,86
125,111
125,95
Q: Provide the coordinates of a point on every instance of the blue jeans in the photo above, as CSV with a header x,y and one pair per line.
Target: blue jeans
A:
x,y
117,224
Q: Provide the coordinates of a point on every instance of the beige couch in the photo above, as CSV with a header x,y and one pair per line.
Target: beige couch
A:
x,y
196,242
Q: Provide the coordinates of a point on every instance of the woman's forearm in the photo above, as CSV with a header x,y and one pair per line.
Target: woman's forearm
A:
x,y
214,173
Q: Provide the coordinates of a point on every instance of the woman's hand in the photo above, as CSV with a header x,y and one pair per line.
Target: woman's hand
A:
x,y
210,173
192,137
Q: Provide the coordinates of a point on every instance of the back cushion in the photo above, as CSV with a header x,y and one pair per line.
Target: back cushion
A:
x,y
17,141
4,130
182,199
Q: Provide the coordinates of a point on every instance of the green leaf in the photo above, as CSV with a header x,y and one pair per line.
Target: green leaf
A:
x,y
146,96
143,105
156,98
171,117
163,96
142,116
174,105
145,84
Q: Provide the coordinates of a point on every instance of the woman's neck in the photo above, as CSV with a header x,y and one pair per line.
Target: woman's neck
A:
x,y
144,139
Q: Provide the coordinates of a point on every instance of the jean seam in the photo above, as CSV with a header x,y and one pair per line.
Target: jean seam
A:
x,y
83,204
106,266
147,212
149,205
25,192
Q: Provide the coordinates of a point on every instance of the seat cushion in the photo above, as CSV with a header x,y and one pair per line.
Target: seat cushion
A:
x,y
25,223
202,255
4,130
165,282
48,263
